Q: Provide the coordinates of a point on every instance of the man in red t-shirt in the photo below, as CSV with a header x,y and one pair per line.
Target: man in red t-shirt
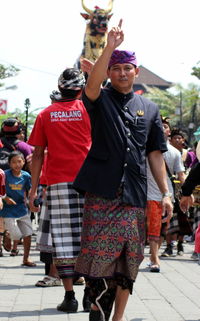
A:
x,y
63,127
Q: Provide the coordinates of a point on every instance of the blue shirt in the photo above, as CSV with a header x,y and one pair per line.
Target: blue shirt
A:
x,y
16,188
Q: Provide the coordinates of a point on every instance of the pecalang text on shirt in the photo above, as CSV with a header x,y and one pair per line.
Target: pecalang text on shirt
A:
x,y
72,115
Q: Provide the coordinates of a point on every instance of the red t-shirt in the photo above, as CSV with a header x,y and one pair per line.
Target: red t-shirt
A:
x,y
64,128
43,179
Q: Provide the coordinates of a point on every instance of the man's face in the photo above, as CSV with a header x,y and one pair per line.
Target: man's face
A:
x,y
177,141
122,76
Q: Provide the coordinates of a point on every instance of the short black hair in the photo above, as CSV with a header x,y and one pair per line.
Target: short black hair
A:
x,y
177,131
15,153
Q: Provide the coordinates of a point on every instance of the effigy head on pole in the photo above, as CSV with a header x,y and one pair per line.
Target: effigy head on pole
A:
x,y
98,18
96,30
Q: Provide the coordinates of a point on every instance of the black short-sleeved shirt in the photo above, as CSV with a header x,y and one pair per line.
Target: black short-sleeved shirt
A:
x,y
125,128
192,180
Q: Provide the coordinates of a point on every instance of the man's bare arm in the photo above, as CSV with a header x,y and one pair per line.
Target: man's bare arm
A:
x,y
181,177
99,70
158,169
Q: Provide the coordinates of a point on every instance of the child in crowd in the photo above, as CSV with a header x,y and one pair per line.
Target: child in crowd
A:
x,y
15,212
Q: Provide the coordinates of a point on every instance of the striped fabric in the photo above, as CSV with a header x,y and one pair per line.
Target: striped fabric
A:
x,y
174,225
60,226
44,240
179,223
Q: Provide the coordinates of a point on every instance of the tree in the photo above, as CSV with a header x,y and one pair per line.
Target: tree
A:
x,y
7,72
165,100
196,70
181,105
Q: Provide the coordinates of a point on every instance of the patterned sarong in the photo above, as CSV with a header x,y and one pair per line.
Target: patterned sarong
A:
x,y
112,238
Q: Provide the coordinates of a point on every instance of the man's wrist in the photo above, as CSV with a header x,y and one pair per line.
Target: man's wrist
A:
x,y
167,194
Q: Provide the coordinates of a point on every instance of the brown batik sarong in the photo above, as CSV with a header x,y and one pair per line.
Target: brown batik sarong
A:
x,y
112,246
112,240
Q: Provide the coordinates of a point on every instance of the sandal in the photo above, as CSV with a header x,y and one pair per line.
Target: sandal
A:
x,y
48,281
7,241
155,268
79,281
14,252
29,264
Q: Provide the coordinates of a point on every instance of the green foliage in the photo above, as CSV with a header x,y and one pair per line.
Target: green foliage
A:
x,y
7,72
165,100
196,71
186,101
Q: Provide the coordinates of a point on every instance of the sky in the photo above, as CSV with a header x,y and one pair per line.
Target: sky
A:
x,y
43,37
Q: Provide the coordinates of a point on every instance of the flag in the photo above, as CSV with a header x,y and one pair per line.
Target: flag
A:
x,y
3,106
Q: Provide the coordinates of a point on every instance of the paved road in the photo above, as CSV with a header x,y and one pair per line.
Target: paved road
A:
x,y
173,294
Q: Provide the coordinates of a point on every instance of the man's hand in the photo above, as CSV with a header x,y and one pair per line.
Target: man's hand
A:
x,y
115,36
186,202
32,198
167,210
86,65
29,161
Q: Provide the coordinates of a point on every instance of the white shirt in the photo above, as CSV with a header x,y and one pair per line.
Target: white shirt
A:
x,y
175,165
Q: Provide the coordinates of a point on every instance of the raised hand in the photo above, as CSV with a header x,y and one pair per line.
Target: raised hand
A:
x,y
115,36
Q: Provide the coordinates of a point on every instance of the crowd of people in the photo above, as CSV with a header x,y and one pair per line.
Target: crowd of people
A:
x,y
107,175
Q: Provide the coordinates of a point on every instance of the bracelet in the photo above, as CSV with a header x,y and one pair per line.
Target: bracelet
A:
x,y
166,194
3,197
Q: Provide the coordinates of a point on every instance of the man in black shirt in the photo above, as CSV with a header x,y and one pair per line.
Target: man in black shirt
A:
x,y
125,129
192,180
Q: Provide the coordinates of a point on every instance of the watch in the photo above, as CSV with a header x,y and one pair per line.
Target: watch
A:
x,y
166,194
